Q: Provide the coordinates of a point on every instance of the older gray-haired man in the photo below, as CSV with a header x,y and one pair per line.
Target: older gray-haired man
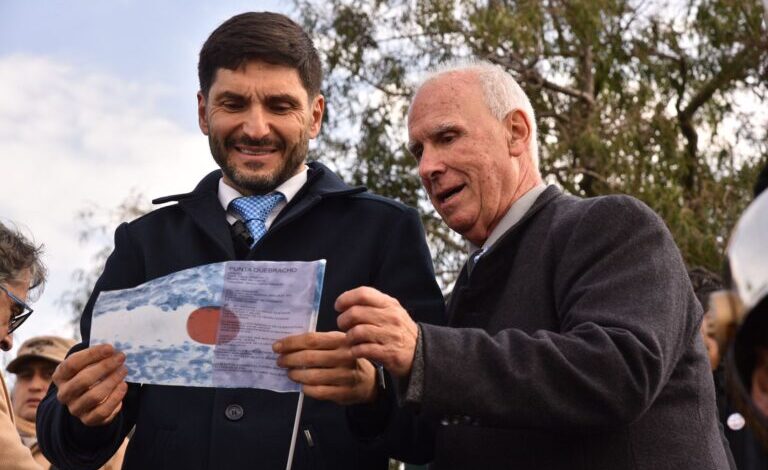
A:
x,y
20,271
573,334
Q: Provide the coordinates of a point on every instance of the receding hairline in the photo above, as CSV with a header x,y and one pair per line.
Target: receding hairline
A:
x,y
468,69
432,78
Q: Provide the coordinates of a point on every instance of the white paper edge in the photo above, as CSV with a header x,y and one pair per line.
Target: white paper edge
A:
x,y
297,420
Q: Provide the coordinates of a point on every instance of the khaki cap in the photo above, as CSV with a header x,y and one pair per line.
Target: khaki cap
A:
x,y
52,348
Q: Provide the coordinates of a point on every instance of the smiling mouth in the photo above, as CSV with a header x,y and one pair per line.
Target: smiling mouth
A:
x,y
255,151
449,193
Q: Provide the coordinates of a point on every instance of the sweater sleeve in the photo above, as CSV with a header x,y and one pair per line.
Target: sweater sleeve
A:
x,y
65,441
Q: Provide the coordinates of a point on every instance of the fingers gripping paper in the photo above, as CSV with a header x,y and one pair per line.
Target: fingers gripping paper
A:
x,y
212,325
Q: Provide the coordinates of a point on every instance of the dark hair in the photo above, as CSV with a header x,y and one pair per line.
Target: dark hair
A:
x,y
704,282
266,36
741,361
18,254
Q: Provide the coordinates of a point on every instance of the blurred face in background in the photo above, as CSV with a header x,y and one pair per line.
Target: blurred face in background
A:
x,y
32,381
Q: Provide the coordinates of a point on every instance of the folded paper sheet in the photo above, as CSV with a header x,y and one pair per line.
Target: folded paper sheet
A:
x,y
212,325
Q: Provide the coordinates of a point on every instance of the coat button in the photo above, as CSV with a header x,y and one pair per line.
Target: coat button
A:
x,y
234,412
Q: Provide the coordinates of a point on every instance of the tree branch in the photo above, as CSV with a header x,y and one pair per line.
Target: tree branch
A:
x,y
734,69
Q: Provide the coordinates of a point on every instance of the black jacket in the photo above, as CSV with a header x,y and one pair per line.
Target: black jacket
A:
x,y
366,240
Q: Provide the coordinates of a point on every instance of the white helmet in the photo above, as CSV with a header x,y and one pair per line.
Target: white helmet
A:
x,y
748,272
748,253
744,309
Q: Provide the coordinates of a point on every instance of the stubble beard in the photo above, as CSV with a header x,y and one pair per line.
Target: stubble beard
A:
x,y
292,159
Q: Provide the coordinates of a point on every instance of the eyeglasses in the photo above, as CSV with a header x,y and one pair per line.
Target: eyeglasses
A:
x,y
20,311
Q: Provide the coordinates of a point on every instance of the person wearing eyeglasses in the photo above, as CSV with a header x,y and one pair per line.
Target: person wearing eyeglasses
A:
x,y
20,271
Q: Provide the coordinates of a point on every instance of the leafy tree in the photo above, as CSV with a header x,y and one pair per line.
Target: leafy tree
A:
x,y
665,103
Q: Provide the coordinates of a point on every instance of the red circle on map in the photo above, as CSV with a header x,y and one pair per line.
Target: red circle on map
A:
x,y
203,325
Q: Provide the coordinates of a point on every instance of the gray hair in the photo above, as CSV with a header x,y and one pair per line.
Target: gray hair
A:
x,y
502,93
18,254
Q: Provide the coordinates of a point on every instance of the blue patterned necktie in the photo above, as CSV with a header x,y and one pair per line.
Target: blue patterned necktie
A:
x,y
254,210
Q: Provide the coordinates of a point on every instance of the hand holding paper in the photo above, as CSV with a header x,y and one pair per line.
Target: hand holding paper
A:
x,y
323,363
378,328
91,384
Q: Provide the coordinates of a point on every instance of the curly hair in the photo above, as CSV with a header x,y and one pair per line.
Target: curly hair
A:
x,y
18,254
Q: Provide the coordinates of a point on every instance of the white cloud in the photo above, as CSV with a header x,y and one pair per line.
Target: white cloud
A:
x,y
70,137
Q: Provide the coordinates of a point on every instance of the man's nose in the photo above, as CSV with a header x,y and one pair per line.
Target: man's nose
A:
x,y
430,164
39,382
256,123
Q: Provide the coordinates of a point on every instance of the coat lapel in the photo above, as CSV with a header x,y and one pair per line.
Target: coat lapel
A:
x,y
321,183
462,297
203,207
209,216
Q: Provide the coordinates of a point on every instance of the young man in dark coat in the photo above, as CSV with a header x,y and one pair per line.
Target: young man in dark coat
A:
x,y
573,338
259,104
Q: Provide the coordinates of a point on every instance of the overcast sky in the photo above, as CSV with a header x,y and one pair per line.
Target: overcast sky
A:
x,y
97,99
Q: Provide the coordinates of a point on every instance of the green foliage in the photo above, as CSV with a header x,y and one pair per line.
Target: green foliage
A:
x,y
666,105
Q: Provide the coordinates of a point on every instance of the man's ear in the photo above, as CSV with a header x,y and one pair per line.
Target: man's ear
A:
x,y
518,130
316,109
202,117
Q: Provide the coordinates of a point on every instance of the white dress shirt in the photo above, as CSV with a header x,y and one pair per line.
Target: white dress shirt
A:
x,y
512,217
289,188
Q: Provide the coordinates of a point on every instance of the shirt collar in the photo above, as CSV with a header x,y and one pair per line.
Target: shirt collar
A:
x,y
513,216
289,188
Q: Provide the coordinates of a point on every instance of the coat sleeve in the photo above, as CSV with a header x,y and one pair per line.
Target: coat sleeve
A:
x,y
405,273
65,441
624,304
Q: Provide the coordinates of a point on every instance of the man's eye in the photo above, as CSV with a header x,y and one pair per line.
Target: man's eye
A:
x,y
280,107
232,105
16,310
416,151
447,137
